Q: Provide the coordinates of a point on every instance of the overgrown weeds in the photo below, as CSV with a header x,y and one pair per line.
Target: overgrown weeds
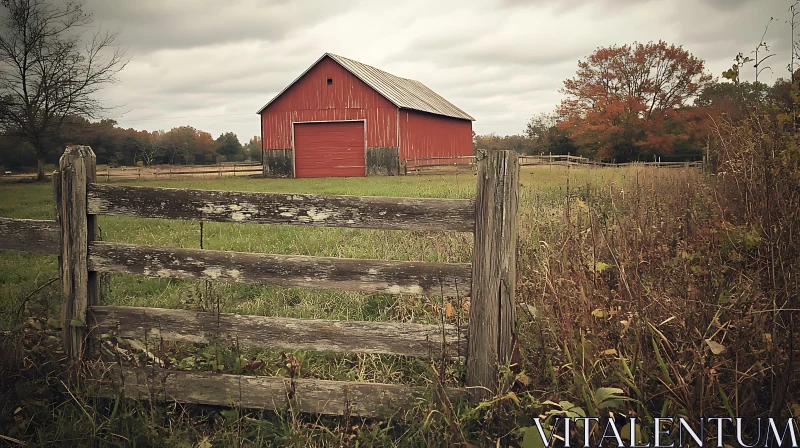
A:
x,y
678,291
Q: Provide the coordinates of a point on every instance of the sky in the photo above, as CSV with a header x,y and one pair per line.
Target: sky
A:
x,y
212,65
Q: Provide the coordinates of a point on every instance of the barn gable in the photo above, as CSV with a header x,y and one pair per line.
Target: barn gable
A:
x,y
344,118
402,92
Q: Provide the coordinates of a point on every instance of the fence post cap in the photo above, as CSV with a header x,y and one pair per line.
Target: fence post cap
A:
x,y
77,149
75,152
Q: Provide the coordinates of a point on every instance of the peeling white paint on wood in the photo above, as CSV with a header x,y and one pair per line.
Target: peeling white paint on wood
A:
x,y
269,208
369,276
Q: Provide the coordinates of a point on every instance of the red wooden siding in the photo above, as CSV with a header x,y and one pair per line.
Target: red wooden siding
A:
x,y
312,99
329,149
424,135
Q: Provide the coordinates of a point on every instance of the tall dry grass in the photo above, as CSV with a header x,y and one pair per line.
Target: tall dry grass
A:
x,y
680,289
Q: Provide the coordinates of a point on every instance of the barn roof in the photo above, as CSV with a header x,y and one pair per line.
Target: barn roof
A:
x,y
404,93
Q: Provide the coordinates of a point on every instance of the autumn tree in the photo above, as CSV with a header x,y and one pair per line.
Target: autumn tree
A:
x,y
189,146
50,69
632,101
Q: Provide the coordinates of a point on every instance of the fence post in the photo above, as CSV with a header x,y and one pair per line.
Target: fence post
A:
x,y
492,308
77,169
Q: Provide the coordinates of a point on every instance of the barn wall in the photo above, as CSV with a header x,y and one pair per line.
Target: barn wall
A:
x,y
312,99
425,135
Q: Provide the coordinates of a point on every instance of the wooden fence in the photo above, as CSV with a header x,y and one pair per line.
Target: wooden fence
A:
x,y
577,160
489,280
418,166
170,171
232,169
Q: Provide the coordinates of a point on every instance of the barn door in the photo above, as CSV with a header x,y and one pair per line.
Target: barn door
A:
x,y
329,149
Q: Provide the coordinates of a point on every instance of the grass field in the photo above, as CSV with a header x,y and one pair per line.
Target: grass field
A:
x,y
554,220
22,273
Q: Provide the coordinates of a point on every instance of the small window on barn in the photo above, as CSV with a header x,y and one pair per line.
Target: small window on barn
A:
x,y
330,81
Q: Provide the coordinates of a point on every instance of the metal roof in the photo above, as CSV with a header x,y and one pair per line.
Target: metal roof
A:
x,y
403,93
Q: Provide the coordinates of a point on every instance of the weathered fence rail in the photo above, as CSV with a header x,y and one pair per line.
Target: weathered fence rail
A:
x,y
288,209
489,281
287,333
348,274
131,173
420,165
29,235
577,160
305,395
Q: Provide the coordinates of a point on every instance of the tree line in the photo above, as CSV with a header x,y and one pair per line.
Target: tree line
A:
x,y
116,146
640,102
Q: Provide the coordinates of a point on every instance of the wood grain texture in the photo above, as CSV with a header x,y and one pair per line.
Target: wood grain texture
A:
x,y
76,167
369,276
258,392
30,235
287,209
92,229
56,178
492,308
294,334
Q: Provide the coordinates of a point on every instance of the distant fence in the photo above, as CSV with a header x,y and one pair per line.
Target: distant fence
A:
x,y
433,164
417,165
577,160
161,172
489,280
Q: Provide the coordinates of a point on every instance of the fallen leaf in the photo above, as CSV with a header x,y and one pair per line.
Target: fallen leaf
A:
x,y
600,266
716,347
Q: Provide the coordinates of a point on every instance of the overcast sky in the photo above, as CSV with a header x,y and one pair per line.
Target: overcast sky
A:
x,y
212,64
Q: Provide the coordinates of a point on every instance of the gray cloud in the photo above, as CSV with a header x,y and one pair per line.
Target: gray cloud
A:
x,y
149,25
212,65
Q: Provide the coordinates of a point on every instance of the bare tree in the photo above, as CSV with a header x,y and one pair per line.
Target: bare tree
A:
x,y
51,65
151,147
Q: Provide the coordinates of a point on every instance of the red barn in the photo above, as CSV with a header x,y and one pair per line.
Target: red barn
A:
x,y
344,118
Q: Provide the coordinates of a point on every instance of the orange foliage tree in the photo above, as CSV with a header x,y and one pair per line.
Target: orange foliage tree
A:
x,y
632,102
